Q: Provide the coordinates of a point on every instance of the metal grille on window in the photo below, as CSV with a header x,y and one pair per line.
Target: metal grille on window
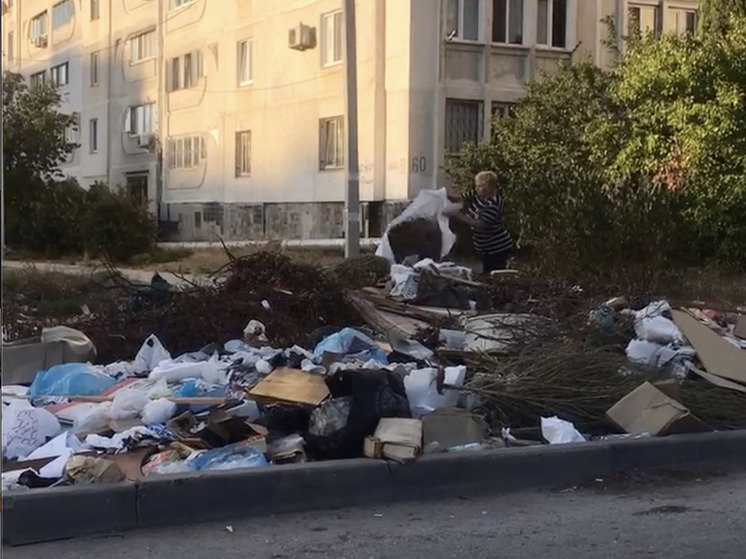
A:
x,y
464,124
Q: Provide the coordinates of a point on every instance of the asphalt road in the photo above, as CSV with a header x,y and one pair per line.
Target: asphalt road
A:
x,y
664,516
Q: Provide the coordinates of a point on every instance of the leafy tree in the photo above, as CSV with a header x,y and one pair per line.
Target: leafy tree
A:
x,y
715,15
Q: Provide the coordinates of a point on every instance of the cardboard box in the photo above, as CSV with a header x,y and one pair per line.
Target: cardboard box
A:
x,y
648,409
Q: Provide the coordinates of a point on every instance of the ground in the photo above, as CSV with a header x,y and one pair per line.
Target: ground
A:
x,y
669,516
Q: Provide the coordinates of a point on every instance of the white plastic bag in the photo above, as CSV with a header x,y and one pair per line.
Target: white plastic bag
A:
x,y
25,429
92,417
427,204
158,412
422,390
128,404
151,353
559,431
658,329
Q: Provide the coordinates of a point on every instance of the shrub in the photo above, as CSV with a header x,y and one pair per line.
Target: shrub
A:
x,y
117,226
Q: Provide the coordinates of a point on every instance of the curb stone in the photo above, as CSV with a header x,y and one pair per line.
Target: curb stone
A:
x,y
42,515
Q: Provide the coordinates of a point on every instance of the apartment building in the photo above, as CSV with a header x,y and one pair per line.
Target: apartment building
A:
x,y
228,116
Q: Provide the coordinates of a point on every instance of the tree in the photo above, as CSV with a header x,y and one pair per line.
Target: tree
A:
x,y
715,15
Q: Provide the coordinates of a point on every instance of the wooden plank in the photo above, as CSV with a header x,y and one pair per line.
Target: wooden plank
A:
x,y
718,356
292,386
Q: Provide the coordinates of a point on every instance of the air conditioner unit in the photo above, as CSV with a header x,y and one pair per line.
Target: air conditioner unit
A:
x,y
40,42
145,140
302,37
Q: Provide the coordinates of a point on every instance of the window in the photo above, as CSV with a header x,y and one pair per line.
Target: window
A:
x,y
59,75
62,13
464,124
184,71
331,143
462,21
174,4
142,47
95,10
186,152
93,135
11,46
507,21
686,21
72,132
551,23
243,153
140,120
94,69
39,28
331,38
644,19
39,78
245,62
503,110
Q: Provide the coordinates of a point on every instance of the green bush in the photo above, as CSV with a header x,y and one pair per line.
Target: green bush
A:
x,y
117,226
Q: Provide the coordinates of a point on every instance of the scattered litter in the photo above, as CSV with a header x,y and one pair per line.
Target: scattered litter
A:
x,y
558,431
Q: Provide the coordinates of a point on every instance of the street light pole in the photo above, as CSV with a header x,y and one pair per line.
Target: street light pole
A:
x,y
352,175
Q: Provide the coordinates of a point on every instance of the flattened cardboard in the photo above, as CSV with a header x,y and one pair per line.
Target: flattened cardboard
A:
x,y
292,386
648,410
719,381
450,427
718,356
401,438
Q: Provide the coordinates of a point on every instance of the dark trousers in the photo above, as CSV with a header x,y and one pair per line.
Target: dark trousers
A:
x,y
496,261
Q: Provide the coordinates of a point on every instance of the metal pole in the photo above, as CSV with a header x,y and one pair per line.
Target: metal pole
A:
x,y
352,174
2,174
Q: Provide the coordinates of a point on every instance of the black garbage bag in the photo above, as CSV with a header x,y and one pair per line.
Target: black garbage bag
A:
x,y
360,398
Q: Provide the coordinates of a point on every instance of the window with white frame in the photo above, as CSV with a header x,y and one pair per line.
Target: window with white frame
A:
x,y
245,62
184,71
95,9
644,18
140,120
93,135
331,38
685,21
243,153
507,21
11,46
59,75
186,152
39,78
551,23
175,4
38,28
94,68
464,124
62,13
142,47
463,19
331,143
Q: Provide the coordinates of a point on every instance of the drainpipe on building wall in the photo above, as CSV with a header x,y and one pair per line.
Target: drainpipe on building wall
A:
x,y
159,100
112,54
352,197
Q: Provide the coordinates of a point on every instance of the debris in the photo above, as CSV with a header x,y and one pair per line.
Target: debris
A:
x,y
292,386
401,439
558,431
87,469
452,427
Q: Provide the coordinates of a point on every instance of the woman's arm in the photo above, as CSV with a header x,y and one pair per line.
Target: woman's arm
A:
x,y
471,222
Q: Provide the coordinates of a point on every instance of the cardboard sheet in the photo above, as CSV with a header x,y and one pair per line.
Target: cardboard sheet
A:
x,y
719,381
718,356
292,386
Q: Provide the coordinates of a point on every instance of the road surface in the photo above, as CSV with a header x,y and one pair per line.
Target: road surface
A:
x,y
671,516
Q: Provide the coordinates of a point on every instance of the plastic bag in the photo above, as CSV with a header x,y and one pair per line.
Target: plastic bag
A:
x,y
231,457
158,412
151,353
658,329
93,417
213,371
422,389
427,204
128,404
559,431
25,429
71,379
349,341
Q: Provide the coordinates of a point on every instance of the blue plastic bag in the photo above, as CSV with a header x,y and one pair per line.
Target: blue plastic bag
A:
x,y
349,341
231,457
71,379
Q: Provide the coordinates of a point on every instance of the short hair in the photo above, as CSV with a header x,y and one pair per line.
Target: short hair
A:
x,y
489,177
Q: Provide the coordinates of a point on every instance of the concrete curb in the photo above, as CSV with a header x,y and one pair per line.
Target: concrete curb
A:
x,y
49,514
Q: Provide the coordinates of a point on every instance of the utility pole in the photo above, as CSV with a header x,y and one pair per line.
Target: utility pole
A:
x,y
352,174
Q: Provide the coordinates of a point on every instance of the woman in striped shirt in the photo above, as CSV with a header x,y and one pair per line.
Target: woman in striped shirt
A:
x,y
483,212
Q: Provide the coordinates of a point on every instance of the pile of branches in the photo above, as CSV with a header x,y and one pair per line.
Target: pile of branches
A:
x,y
292,299
563,377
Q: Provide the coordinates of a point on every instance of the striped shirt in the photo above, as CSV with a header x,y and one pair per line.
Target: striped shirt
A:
x,y
492,238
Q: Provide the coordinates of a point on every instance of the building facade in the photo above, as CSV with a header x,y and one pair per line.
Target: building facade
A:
x,y
228,116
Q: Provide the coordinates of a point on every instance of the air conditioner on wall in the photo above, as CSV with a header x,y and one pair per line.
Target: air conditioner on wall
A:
x,y
302,37
40,42
144,140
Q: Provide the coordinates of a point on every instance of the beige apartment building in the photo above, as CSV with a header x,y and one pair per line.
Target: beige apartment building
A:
x,y
228,116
